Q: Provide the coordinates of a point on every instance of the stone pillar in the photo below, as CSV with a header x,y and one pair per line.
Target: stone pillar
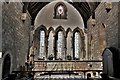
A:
x,y
54,44
83,46
84,74
71,46
119,25
1,39
1,68
46,47
0,26
65,47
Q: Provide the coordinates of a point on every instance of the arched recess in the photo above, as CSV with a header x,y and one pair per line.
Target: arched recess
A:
x,y
40,41
6,68
111,62
59,48
69,48
60,11
51,34
78,40
102,38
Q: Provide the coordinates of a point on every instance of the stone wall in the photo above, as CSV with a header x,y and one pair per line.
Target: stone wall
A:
x,y
15,33
110,22
119,25
0,26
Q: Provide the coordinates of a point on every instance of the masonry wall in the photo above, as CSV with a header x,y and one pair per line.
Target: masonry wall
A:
x,y
119,25
15,33
110,21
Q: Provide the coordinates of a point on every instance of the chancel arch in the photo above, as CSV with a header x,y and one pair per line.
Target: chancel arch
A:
x,y
60,28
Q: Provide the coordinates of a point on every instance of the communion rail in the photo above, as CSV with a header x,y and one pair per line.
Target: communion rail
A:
x,y
67,65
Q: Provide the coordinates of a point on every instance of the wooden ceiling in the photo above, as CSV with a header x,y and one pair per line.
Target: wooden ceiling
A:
x,y
86,9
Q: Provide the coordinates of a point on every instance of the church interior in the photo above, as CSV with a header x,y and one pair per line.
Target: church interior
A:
x,y
59,40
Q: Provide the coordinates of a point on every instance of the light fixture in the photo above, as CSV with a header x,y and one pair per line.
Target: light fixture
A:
x,y
23,16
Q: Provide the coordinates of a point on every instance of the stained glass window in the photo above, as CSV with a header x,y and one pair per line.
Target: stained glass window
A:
x,y
59,45
42,43
76,45
60,9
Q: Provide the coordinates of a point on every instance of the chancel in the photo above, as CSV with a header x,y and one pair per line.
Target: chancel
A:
x,y
60,40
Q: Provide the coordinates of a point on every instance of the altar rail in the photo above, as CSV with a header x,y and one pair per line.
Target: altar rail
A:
x,y
67,65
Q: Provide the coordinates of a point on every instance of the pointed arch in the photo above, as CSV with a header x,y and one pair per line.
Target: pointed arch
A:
x,y
7,64
77,29
67,31
60,28
51,29
42,27
37,31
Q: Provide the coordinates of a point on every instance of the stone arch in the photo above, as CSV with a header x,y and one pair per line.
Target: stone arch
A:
x,y
42,27
116,61
80,31
60,28
67,31
51,29
6,64
111,61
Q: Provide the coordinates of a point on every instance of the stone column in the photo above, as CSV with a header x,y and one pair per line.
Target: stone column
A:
x,y
1,68
54,46
1,39
71,46
83,46
65,47
46,47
